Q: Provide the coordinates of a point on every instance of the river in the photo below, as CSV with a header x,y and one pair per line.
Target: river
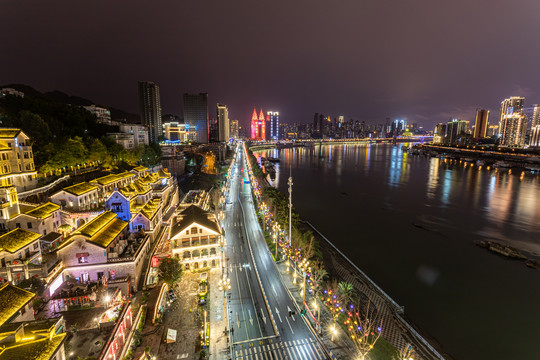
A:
x,y
410,223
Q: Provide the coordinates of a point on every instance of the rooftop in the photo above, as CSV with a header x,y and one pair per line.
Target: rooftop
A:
x,y
80,188
43,211
103,229
139,168
38,349
12,299
135,188
150,208
194,214
108,179
9,133
16,239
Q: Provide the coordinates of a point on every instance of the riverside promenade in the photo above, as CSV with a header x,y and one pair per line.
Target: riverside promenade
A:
x,y
396,328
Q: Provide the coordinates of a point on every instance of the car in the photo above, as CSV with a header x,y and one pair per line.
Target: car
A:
x,y
171,295
202,301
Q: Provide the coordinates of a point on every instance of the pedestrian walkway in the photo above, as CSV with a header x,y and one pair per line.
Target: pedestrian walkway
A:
x,y
219,339
338,343
305,349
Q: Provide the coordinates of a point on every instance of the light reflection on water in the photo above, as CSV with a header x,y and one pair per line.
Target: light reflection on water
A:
x,y
376,194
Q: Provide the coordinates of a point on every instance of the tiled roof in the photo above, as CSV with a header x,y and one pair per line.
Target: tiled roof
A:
x,y
194,214
43,211
150,208
38,349
139,168
80,188
12,299
9,133
103,229
108,179
16,239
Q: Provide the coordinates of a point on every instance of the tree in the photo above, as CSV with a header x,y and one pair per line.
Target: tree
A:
x,y
318,274
364,325
170,271
345,292
150,156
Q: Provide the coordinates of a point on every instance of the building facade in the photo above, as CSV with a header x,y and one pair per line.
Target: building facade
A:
x,y
481,124
272,118
103,115
234,129
512,105
223,123
196,238
258,126
150,108
513,129
16,160
196,116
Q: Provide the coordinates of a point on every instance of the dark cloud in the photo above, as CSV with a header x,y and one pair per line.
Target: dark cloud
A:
x,y
425,60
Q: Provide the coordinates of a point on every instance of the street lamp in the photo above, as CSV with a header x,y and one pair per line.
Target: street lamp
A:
x,y
334,331
316,307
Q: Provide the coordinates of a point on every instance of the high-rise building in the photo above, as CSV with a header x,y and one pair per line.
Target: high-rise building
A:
x,y
223,123
150,107
514,129
512,105
533,115
534,138
258,126
234,130
196,116
439,133
481,124
455,131
272,118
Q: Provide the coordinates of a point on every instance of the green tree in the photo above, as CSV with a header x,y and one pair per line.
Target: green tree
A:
x,y
150,156
346,292
170,271
35,127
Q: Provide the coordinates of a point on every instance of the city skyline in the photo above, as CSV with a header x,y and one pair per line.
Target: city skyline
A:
x,y
362,70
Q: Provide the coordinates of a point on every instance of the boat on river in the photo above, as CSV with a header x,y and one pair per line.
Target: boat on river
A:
x,y
502,164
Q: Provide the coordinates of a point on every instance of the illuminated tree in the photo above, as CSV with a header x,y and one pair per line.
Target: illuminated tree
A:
x,y
364,325
345,292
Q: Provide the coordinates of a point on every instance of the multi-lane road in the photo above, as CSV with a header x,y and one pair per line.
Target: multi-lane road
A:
x,y
258,303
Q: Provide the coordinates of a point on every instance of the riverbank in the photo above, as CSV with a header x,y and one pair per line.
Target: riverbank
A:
x,y
397,329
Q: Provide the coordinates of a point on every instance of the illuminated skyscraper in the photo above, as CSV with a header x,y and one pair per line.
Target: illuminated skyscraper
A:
x,y
272,118
150,107
223,122
533,115
481,124
512,105
455,131
258,126
196,116
234,132
514,129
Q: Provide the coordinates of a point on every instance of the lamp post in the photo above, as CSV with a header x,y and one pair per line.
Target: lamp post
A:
x,y
318,315
290,208
225,285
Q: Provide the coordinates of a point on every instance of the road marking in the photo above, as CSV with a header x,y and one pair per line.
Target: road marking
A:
x,y
250,318
241,303
273,288
242,248
290,327
263,317
237,320
277,312
264,263
253,301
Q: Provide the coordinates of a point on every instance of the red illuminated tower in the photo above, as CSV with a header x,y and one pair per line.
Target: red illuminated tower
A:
x,y
258,126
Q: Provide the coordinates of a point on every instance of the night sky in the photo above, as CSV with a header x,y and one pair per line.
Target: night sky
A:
x,y
426,60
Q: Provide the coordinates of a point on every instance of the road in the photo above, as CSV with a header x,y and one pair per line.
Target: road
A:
x,y
260,329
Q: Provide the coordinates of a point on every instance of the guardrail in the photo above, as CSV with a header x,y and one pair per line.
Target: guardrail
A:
x,y
43,188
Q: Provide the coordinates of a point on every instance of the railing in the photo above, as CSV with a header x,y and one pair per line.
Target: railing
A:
x,y
43,188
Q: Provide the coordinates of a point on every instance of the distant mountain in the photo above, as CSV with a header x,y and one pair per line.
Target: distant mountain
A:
x,y
63,98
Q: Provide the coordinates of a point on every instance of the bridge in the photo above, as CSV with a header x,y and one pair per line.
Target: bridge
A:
x,y
260,145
